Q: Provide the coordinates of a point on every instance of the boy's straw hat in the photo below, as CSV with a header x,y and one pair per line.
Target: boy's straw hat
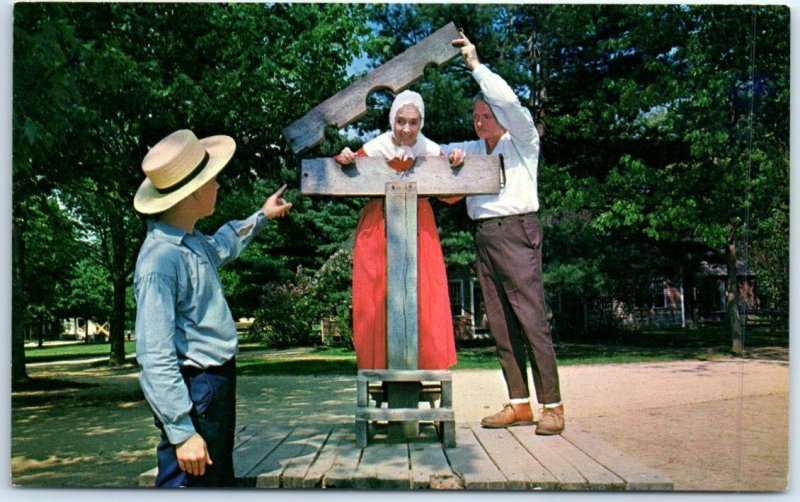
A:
x,y
177,166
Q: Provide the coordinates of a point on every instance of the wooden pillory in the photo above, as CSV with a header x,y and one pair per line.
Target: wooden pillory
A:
x,y
429,176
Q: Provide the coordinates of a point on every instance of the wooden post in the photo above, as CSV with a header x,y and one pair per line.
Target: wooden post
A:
x,y
402,324
401,275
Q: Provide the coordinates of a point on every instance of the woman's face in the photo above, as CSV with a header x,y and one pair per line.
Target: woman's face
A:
x,y
406,125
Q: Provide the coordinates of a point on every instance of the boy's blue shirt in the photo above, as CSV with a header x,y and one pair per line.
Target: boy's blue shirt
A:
x,y
182,316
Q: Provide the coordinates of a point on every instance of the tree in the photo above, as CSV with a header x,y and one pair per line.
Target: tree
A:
x,y
645,121
95,85
42,89
664,131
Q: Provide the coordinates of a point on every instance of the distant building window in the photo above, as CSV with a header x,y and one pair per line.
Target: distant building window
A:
x,y
456,289
659,295
666,295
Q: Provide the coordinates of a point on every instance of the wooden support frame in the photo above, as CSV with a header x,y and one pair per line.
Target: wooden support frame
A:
x,y
443,415
373,177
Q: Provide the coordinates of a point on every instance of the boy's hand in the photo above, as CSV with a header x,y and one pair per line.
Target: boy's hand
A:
x,y
275,206
193,455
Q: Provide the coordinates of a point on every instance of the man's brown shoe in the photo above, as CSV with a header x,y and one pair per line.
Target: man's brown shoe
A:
x,y
510,416
551,421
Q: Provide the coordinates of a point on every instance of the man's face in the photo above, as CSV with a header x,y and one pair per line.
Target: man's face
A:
x,y
406,125
485,123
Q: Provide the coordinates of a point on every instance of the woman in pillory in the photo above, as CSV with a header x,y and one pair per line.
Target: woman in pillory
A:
x,y
399,147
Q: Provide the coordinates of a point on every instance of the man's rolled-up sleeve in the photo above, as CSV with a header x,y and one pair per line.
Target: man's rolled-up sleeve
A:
x,y
506,106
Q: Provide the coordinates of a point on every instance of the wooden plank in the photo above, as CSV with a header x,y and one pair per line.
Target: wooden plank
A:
x,y
430,392
383,465
294,475
148,478
350,103
404,414
406,375
447,393
252,452
541,447
448,432
479,174
401,303
362,433
522,470
362,401
598,477
448,427
347,458
327,457
472,464
429,466
635,475
325,460
269,471
401,276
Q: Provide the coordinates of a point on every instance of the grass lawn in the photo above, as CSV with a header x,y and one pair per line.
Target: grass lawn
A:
x,y
87,424
642,346
67,351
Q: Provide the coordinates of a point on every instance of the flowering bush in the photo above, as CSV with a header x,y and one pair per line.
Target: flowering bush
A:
x,y
291,312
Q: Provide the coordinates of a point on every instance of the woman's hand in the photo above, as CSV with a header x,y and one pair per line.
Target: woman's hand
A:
x,y
345,157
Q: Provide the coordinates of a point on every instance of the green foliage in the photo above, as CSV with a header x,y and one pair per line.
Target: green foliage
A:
x,y
89,292
665,136
96,84
770,257
52,248
292,309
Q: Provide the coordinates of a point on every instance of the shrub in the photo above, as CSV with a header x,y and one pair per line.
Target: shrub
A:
x,y
290,311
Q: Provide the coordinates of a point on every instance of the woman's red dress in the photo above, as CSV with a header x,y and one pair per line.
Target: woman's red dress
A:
x,y
435,343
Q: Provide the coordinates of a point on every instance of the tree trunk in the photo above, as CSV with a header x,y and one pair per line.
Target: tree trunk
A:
x,y
732,301
118,278
19,373
117,335
689,304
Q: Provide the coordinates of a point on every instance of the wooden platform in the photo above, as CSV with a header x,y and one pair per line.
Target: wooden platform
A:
x,y
485,459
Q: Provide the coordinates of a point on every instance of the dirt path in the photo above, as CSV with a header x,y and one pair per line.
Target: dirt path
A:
x,y
708,425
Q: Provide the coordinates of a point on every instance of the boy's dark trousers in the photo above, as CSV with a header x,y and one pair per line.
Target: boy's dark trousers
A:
x,y
213,394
